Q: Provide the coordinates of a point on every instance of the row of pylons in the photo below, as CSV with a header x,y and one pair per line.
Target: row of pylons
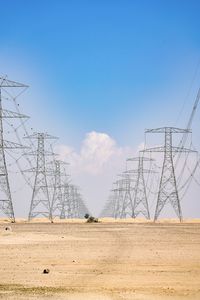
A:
x,y
53,193
130,193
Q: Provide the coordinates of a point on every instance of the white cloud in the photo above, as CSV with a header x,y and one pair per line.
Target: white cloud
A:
x,y
98,152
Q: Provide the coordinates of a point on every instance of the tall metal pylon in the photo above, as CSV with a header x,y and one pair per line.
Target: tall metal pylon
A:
x,y
127,206
66,206
6,204
115,201
109,209
73,204
40,201
124,204
168,192
140,201
57,206
118,197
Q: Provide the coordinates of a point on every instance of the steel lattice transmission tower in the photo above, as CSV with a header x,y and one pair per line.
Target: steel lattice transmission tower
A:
x,y
118,196
66,207
140,202
40,201
115,201
127,205
73,201
109,209
67,201
81,207
6,205
119,203
168,192
73,204
122,192
57,207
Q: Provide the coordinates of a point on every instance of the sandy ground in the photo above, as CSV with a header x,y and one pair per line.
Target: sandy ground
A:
x,y
104,261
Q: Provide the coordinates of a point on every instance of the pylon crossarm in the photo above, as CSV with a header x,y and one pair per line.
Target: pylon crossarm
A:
x,y
185,150
41,135
11,145
31,170
35,153
135,171
53,162
154,149
7,114
4,82
130,173
140,158
172,149
167,130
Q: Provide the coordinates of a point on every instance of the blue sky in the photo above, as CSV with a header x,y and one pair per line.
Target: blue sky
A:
x,y
116,61
115,67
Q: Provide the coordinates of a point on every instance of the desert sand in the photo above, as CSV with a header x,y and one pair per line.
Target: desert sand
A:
x,y
102,261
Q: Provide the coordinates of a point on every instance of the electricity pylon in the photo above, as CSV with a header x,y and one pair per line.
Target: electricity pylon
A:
x,y
140,201
118,197
40,201
65,207
6,205
127,206
57,206
168,192
116,200
73,204
74,198
82,208
109,209
124,204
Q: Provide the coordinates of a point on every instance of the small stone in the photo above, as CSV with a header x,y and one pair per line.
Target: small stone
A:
x,y
46,271
8,228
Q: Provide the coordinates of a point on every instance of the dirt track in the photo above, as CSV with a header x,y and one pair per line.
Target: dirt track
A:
x,y
100,261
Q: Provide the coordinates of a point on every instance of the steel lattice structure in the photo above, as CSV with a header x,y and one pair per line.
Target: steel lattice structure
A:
x,y
67,201
168,192
109,209
140,202
127,204
57,206
65,211
40,201
74,204
6,204
120,203
123,206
